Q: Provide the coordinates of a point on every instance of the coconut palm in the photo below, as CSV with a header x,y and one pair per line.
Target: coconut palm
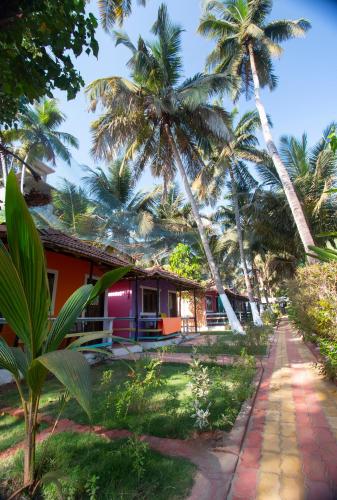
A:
x,y
115,11
313,172
159,121
230,158
245,45
39,136
25,304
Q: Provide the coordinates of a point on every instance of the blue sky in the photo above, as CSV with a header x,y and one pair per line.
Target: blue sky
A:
x,y
305,99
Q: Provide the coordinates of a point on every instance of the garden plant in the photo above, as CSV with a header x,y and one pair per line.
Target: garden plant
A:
x,y
25,304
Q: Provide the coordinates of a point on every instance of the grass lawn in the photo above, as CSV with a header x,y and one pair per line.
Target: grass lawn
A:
x,y
164,410
228,343
91,467
12,431
217,332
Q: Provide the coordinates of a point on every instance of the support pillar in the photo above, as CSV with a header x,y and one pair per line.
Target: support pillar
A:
x,y
136,311
195,312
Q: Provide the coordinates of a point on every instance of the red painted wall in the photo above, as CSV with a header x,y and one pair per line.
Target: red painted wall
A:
x,y
71,275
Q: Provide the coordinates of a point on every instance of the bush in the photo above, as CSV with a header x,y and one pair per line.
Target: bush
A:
x,y
269,317
313,309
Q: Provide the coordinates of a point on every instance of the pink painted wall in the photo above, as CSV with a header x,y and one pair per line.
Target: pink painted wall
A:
x,y
120,305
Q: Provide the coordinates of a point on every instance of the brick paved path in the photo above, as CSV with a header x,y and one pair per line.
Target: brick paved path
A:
x,y
290,449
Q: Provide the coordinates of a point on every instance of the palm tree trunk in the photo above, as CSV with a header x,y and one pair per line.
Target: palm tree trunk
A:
x,y
23,175
294,203
30,443
255,313
233,320
3,169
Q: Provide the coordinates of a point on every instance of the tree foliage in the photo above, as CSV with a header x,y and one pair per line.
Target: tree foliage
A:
x,y
184,263
38,40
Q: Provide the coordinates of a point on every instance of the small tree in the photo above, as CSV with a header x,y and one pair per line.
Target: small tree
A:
x,y
25,304
184,263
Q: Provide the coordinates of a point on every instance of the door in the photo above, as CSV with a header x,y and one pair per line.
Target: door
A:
x,y
172,305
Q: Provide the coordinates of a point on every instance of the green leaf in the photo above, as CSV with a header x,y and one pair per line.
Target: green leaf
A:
x,y
36,376
67,316
13,303
7,359
27,253
21,360
107,280
324,254
73,371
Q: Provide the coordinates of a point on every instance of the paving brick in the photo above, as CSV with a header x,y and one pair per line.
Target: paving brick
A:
x,y
251,457
271,442
291,465
316,490
245,482
270,462
292,488
268,486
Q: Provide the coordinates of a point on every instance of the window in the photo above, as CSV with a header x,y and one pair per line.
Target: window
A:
x,y
52,283
172,305
149,300
209,303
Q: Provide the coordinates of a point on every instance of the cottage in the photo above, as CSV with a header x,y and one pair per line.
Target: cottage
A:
x,y
144,305
149,305
72,263
215,313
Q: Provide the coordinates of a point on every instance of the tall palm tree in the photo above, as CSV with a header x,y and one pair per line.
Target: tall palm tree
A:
x,y
230,158
246,43
159,121
39,136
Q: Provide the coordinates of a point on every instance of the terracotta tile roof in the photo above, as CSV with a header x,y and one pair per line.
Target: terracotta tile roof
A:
x,y
55,240
210,287
184,283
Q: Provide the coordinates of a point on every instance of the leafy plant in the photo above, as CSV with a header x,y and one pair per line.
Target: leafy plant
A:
x,y
132,395
37,43
91,487
313,306
25,304
184,263
138,451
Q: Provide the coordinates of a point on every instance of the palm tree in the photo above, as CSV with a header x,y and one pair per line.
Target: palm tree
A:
x,y
112,11
159,121
313,172
125,212
38,135
245,46
25,304
75,212
241,146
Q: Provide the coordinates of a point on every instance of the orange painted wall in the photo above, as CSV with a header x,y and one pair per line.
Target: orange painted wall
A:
x,y
71,275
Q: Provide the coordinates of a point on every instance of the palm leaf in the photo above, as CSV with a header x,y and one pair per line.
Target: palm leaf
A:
x,y
107,280
7,359
73,371
13,303
28,257
66,318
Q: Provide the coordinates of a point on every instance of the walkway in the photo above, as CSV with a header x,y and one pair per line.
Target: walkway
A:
x,y
290,449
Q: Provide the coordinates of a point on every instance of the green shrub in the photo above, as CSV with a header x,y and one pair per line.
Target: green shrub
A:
x,y
269,317
313,309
